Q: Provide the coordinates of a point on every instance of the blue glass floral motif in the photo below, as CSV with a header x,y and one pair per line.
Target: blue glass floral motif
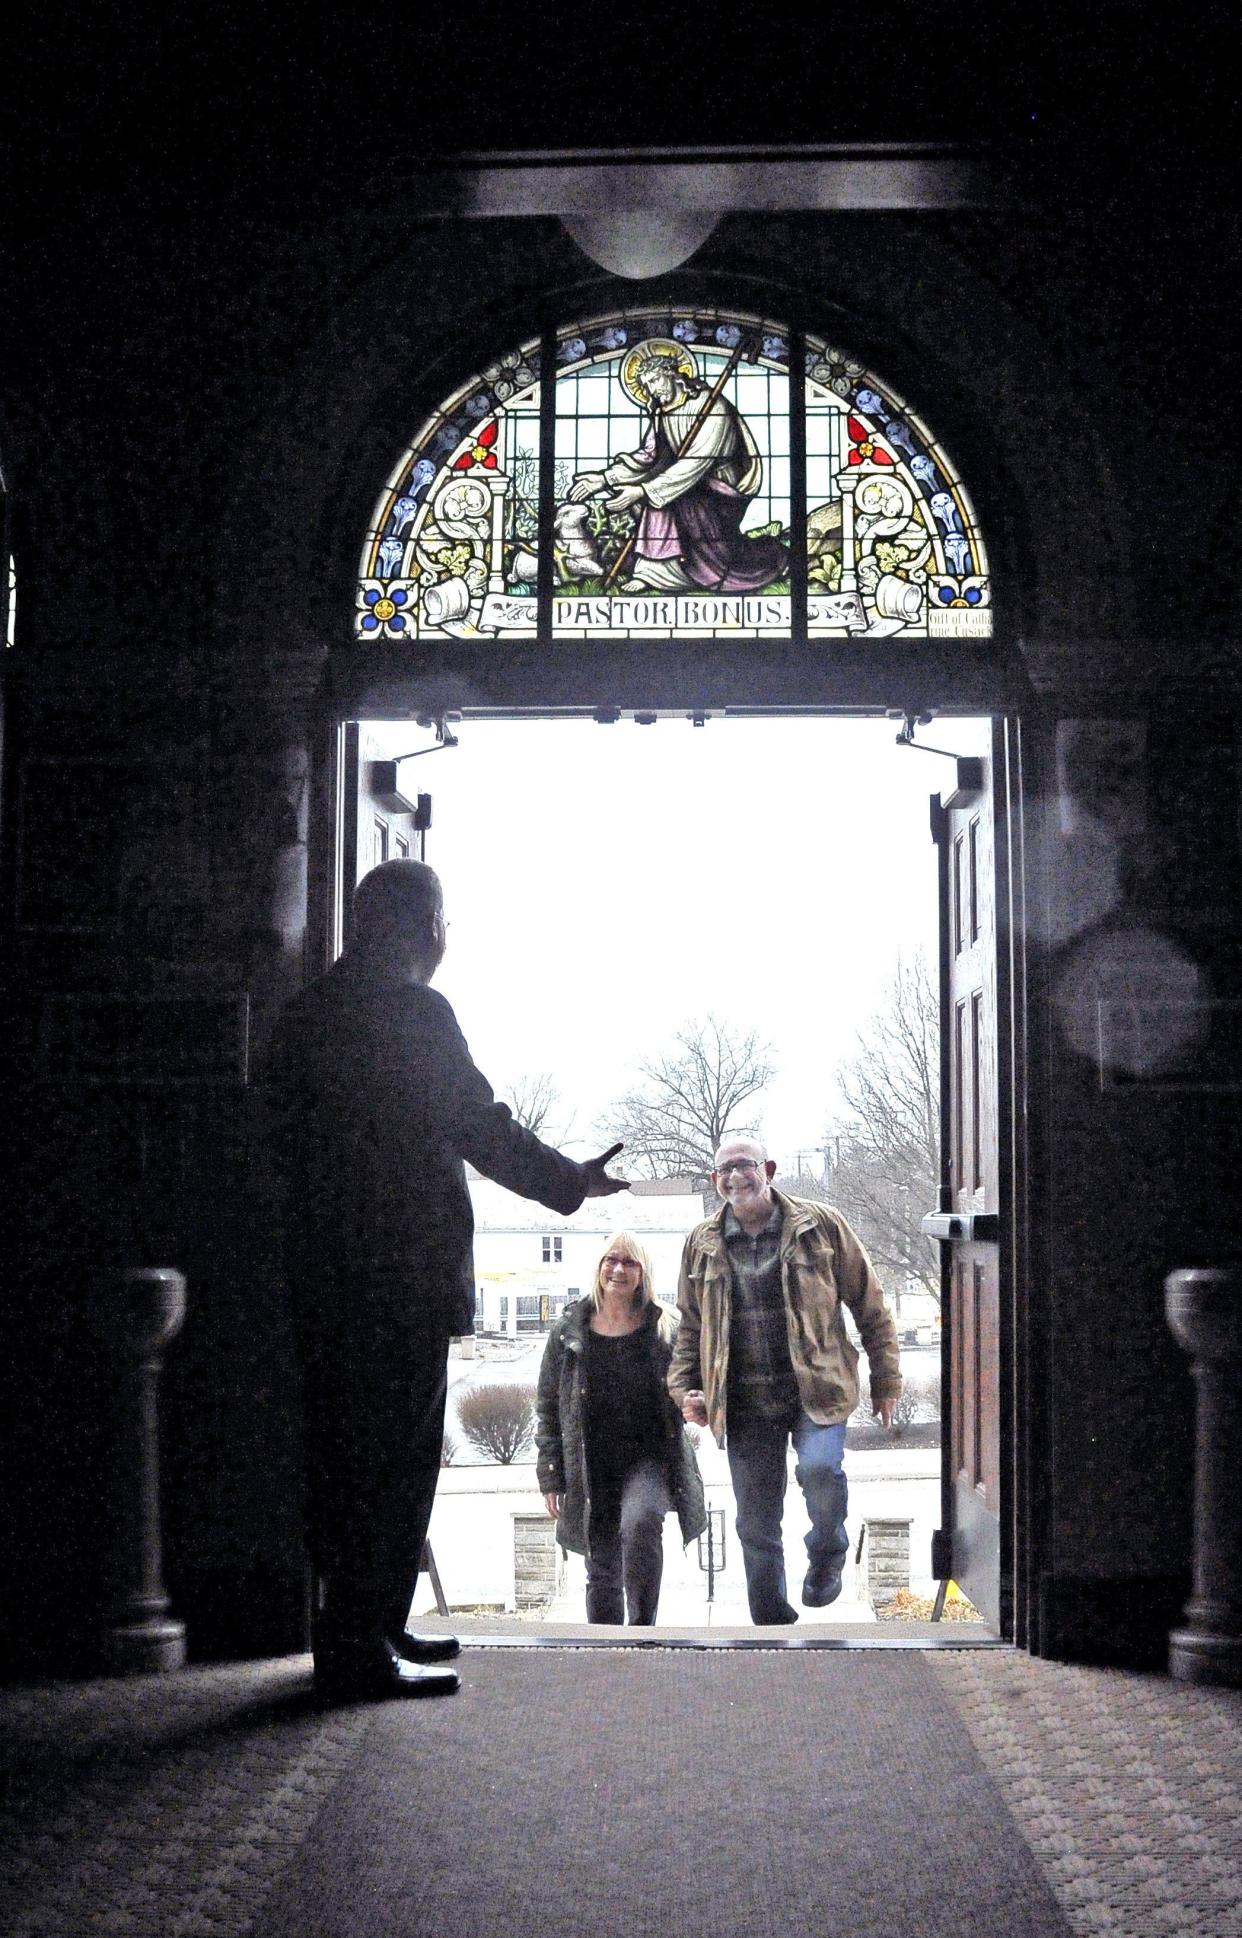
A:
x,y
383,609
945,511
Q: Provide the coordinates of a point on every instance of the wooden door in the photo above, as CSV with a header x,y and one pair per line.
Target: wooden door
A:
x,y
376,820
968,1224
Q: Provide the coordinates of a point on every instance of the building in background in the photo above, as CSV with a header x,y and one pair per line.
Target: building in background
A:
x,y
529,1263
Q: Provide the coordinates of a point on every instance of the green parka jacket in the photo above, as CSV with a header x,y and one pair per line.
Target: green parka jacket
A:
x,y
560,1432
823,1267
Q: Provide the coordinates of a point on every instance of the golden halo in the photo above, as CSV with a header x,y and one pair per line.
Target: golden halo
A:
x,y
655,346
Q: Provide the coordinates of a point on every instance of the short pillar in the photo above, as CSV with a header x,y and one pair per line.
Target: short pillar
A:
x,y
1204,1310
888,1559
139,1313
537,1563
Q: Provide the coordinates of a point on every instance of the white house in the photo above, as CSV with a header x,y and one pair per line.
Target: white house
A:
x,y
528,1262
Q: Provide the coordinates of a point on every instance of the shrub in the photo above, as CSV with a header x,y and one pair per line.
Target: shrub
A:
x,y
920,1400
498,1420
450,1447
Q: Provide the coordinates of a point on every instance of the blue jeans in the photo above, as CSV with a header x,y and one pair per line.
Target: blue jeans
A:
x,y
757,1466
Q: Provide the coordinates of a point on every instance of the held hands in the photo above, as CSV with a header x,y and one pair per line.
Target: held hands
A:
x,y
884,1409
694,1409
599,1184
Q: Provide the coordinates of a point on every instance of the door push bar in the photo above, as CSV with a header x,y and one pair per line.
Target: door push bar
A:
x,y
962,1227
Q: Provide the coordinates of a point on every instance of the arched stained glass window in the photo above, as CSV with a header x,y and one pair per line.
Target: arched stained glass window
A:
x,y
674,473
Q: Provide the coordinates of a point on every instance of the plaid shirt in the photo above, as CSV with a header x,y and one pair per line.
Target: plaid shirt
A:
x,y
761,1374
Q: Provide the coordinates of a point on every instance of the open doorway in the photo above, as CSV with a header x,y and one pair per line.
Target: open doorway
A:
x,y
618,888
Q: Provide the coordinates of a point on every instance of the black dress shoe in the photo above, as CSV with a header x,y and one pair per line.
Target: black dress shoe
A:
x,y
427,1648
374,1674
823,1584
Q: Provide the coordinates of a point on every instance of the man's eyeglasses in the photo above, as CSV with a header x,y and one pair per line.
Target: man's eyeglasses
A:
x,y
743,1164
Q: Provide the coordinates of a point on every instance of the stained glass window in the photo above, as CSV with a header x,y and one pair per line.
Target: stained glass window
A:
x,y
680,473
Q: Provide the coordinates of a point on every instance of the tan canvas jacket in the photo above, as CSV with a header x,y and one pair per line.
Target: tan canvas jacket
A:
x,y
823,1266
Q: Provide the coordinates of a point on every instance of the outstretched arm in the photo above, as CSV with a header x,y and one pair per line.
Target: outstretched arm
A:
x,y
599,1183
447,1086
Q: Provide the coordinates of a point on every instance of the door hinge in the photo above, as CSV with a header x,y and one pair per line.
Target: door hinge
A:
x,y
942,1555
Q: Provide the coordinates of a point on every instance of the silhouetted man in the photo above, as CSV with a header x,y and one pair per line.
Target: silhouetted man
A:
x,y
762,1357
380,1104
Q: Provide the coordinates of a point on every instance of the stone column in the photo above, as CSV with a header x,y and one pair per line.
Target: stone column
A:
x,y
537,1563
847,484
499,485
141,1310
1204,1311
888,1559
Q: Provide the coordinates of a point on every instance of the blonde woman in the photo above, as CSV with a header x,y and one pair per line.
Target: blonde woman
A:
x,y
614,1457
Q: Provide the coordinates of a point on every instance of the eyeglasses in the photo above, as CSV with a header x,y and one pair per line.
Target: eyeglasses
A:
x,y
615,1258
743,1164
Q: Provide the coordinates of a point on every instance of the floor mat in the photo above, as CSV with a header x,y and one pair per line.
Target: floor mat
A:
x,y
580,1794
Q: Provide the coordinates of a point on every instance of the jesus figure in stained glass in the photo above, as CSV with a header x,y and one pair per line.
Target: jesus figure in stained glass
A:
x,y
690,483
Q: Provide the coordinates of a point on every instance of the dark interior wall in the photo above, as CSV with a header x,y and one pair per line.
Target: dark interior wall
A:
x,y
194,444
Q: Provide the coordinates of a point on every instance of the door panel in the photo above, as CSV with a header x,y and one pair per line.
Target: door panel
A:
x,y
376,821
964,822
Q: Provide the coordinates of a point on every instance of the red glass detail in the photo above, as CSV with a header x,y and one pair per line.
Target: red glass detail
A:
x,y
480,453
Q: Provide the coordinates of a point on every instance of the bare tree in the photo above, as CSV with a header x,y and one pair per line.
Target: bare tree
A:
x,y
886,1148
498,1419
533,1098
690,1099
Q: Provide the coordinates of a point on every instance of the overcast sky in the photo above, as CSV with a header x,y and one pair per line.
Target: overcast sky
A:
x,y
605,885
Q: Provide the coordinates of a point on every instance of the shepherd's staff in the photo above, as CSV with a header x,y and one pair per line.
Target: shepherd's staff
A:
x,y
681,450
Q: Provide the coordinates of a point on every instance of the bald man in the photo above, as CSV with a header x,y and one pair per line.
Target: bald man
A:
x,y
381,1103
762,1357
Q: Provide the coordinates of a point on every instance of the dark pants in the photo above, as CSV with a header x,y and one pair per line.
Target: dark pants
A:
x,y
758,1454
626,1559
373,1408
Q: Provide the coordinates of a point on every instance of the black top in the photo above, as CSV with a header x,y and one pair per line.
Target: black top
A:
x,y
379,1103
624,1405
